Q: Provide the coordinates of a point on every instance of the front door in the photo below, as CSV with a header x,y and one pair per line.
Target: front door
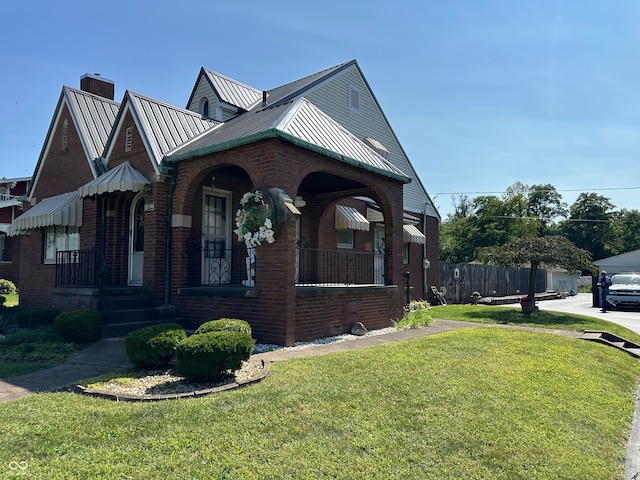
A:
x,y
216,237
378,254
136,241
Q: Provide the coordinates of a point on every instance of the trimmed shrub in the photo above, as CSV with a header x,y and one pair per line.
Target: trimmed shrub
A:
x,y
207,357
79,326
36,317
7,286
225,325
154,346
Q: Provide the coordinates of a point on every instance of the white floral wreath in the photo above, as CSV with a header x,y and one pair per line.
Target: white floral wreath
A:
x,y
254,220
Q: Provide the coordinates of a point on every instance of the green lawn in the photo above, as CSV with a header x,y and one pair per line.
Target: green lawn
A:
x,y
540,318
474,403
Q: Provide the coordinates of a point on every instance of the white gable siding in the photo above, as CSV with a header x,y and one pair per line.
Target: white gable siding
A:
x,y
333,98
205,90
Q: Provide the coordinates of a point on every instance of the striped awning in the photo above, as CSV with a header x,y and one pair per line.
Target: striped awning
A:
x,y
350,218
65,209
411,234
123,178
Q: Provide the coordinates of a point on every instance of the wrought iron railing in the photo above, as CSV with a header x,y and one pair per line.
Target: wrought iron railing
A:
x,y
339,267
79,268
214,265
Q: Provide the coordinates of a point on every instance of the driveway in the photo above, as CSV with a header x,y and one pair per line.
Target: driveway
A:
x,y
581,304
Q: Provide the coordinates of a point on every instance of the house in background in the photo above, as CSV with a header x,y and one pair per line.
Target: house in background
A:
x,y
133,206
12,190
624,263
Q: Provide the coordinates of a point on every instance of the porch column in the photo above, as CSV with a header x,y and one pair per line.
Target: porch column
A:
x,y
275,280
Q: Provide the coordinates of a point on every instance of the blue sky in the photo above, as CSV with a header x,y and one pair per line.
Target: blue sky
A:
x,y
480,93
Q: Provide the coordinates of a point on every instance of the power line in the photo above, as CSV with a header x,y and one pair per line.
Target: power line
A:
x,y
542,190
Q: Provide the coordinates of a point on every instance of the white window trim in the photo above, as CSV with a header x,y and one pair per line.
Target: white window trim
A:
x,y
341,244
64,237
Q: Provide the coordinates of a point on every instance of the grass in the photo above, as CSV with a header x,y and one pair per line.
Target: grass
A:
x,y
472,403
540,319
27,351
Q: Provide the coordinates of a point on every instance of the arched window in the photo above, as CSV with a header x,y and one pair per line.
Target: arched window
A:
x,y
204,107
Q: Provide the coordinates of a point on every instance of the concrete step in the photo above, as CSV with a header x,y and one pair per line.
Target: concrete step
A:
x,y
122,329
608,338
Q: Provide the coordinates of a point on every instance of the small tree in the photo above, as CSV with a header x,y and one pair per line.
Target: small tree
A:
x,y
549,252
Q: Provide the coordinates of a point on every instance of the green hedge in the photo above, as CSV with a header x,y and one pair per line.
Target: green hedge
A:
x,y
225,325
79,326
36,317
154,346
208,357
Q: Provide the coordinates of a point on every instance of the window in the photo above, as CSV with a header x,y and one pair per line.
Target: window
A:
x,y
127,139
345,238
405,253
60,238
203,107
354,99
4,193
65,135
2,237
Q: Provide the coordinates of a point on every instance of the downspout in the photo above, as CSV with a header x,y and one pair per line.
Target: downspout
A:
x,y
424,253
167,256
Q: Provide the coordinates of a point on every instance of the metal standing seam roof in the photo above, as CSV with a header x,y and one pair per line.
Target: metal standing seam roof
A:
x,y
166,126
123,178
65,209
233,92
94,117
298,119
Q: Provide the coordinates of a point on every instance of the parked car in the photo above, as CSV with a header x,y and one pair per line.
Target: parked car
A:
x,y
624,290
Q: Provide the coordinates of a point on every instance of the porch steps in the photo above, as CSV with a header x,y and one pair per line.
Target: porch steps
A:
x,y
126,309
612,340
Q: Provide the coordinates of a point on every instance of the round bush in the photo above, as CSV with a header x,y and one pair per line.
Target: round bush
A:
x,y
225,325
79,326
207,357
36,317
154,346
7,286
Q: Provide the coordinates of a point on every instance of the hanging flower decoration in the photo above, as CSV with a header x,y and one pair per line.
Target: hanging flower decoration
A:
x,y
254,221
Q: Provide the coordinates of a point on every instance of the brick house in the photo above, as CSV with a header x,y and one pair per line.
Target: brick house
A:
x,y
12,190
133,207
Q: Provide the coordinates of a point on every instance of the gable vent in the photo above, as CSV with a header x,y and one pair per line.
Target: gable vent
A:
x,y
354,99
127,139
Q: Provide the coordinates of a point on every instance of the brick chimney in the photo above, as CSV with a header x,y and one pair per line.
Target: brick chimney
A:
x,y
94,83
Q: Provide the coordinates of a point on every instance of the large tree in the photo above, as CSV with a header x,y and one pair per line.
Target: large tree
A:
x,y
545,203
538,252
589,224
625,227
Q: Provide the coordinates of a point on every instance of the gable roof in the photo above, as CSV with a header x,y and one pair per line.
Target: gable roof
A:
x,y
299,87
312,88
228,90
93,117
299,122
163,127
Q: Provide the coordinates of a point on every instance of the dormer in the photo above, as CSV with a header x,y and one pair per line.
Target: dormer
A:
x,y
220,98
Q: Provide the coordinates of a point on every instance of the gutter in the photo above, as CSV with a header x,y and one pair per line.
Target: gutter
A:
x,y
280,135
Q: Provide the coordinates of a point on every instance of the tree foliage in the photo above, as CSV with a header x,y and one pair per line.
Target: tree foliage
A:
x,y
534,252
591,222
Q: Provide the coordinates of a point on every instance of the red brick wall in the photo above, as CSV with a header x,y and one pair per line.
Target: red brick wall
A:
x,y
10,266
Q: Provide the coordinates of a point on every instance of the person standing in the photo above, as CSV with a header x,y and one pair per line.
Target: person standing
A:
x,y
604,284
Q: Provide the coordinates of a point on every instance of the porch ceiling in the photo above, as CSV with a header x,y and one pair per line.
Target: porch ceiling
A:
x,y
321,183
